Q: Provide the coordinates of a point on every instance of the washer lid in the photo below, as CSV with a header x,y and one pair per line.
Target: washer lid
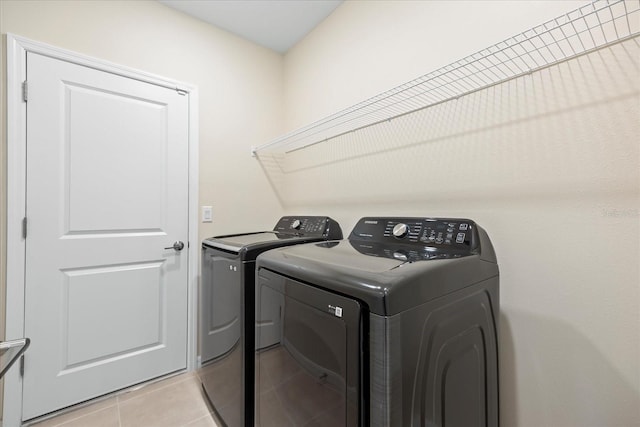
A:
x,y
238,243
387,280
289,230
235,242
341,255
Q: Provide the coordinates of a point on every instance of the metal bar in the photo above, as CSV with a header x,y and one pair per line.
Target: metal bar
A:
x,y
548,44
465,94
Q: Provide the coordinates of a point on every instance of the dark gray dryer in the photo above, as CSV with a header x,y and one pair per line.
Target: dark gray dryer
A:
x,y
396,326
226,325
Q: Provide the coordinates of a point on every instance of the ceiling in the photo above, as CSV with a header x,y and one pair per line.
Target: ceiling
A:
x,y
275,24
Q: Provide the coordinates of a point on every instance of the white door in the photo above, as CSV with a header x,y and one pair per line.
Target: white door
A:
x,y
107,191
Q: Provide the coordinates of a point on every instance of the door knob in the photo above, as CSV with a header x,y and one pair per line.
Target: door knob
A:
x,y
177,246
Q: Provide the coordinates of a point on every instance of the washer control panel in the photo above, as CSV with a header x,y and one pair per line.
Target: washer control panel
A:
x,y
449,232
309,226
410,238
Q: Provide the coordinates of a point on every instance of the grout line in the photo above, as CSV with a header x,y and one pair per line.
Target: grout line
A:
x,y
118,410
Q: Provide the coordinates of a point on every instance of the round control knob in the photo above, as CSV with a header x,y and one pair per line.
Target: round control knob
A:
x,y
400,230
295,224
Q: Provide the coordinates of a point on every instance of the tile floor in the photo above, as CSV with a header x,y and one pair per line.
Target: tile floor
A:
x,y
173,402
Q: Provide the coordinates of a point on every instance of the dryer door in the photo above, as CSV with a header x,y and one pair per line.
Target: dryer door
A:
x,y
311,375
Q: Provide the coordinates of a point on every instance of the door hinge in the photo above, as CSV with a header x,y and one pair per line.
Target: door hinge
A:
x,y
25,91
24,227
22,366
181,91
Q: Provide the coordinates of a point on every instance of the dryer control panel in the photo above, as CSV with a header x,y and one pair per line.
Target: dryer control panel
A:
x,y
309,226
422,238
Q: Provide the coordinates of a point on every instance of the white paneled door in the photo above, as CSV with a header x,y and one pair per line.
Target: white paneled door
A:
x,y
107,197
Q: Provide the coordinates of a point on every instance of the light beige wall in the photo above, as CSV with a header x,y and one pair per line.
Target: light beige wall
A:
x,y
548,164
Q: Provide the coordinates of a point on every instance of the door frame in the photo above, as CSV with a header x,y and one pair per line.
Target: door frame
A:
x,y
16,54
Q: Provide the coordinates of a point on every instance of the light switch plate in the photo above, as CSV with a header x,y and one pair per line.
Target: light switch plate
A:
x,y
207,214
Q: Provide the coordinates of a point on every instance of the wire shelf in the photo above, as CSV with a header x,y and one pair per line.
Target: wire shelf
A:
x,y
593,26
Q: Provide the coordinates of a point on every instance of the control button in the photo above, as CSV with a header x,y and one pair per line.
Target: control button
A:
x,y
464,227
400,230
439,240
295,224
460,238
447,241
450,229
449,235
